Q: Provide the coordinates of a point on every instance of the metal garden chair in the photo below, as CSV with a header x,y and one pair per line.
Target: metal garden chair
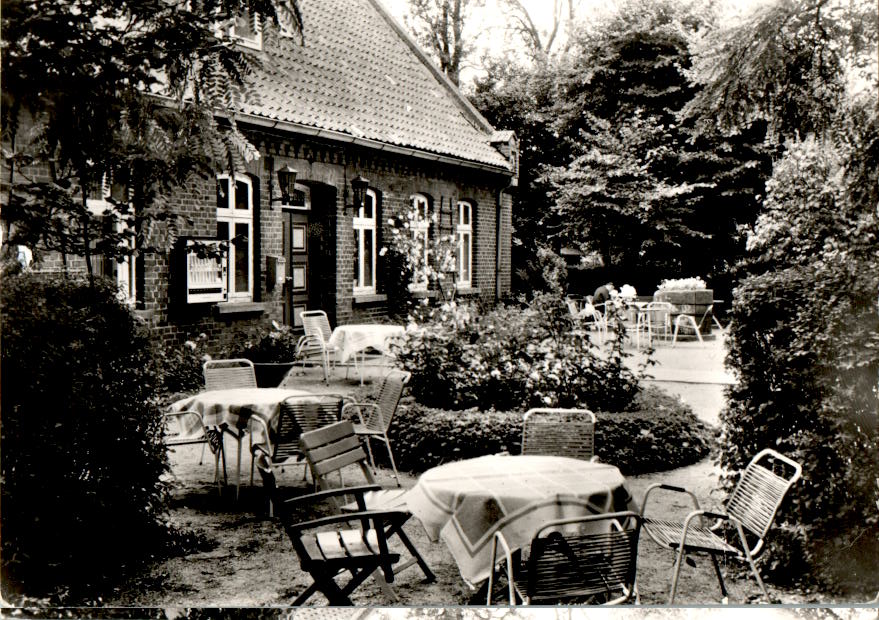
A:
x,y
315,342
186,428
559,432
750,510
596,565
380,414
688,320
227,374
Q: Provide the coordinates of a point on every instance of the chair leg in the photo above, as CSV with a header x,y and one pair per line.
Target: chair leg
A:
x,y
369,450
752,563
675,575
723,591
238,470
201,458
428,574
393,464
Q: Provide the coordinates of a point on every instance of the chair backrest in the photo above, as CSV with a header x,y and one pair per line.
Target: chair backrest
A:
x,y
184,427
559,432
229,373
331,448
300,414
601,559
388,399
573,307
659,313
706,316
761,489
316,323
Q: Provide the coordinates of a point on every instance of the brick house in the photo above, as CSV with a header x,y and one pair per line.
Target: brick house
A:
x,y
359,101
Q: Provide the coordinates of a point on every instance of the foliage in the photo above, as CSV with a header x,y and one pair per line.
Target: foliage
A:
x,y
655,433
786,63
641,188
79,95
179,368
510,357
82,437
433,267
683,284
439,26
804,337
272,344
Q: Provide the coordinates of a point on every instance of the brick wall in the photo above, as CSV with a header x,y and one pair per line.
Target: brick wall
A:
x,y
330,168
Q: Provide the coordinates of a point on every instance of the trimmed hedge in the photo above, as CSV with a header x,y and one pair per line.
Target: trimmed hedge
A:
x,y
658,434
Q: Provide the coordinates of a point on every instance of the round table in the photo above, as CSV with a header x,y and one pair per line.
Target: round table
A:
x,y
466,502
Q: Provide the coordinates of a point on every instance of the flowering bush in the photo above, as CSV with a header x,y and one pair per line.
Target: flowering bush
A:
x,y
434,265
179,368
511,358
683,284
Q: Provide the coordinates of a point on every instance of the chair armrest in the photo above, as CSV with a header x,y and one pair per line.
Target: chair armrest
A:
x,y
311,498
499,540
666,487
700,514
360,407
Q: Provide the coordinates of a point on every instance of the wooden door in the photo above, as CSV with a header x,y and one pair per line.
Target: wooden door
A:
x,y
298,284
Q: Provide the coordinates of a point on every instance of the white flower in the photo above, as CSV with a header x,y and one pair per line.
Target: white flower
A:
x,y
190,344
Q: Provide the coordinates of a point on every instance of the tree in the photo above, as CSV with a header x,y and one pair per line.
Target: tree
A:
x,y
138,94
539,45
641,188
439,26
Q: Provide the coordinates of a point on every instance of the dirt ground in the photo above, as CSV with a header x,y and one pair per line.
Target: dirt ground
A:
x,y
252,562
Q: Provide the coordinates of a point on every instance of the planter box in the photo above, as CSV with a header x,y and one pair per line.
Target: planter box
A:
x,y
271,374
694,303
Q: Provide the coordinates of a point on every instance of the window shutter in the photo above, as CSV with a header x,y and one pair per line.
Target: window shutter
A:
x,y
256,231
380,262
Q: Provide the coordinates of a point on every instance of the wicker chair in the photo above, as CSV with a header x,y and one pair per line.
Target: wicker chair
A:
x,y
380,414
751,508
315,342
559,432
298,414
595,565
226,374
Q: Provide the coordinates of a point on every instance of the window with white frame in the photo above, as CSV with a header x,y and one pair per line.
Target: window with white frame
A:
x,y
100,202
421,232
364,245
247,30
235,226
464,233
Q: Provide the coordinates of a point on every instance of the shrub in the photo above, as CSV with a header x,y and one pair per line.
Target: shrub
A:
x,y
179,369
658,433
512,357
269,344
82,448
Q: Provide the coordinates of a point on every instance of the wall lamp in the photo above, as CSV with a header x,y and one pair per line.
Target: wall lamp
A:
x,y
286,183
359,185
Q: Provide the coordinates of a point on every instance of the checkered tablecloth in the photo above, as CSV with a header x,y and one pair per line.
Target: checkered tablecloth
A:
x,y
466,502
233,409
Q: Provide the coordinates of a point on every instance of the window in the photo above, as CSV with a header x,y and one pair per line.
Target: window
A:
x,y
364,245
247,30
107,213
421,231
464,233
235,226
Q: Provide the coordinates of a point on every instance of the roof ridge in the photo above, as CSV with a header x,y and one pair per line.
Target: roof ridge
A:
x,y
467,108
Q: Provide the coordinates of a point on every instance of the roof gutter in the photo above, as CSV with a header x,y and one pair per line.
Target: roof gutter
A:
x,y
338,136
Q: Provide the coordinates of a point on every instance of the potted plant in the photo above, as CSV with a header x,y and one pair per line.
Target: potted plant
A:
x,y
273,353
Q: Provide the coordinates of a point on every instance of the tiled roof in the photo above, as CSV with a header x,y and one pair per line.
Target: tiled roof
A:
x,y
356,75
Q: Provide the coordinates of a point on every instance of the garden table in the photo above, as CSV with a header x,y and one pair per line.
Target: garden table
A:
x,y
467,502
231,411
349,340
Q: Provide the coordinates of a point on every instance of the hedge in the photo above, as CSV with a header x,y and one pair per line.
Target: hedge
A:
x,y
658,434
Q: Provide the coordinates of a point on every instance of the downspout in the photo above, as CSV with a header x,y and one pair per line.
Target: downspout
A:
x,y
498,262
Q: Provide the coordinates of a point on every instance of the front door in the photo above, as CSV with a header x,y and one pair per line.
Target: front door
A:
x,y
298,282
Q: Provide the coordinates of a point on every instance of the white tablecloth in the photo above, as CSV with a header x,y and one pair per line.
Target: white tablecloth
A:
x,y
351,339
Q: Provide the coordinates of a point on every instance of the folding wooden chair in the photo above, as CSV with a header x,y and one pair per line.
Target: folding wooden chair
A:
x,y
751,507
380,414
354,543
334,447
596,565
559,432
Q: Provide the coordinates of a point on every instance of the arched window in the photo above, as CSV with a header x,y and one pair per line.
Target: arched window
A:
x,y
235,225
364,245
464,233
